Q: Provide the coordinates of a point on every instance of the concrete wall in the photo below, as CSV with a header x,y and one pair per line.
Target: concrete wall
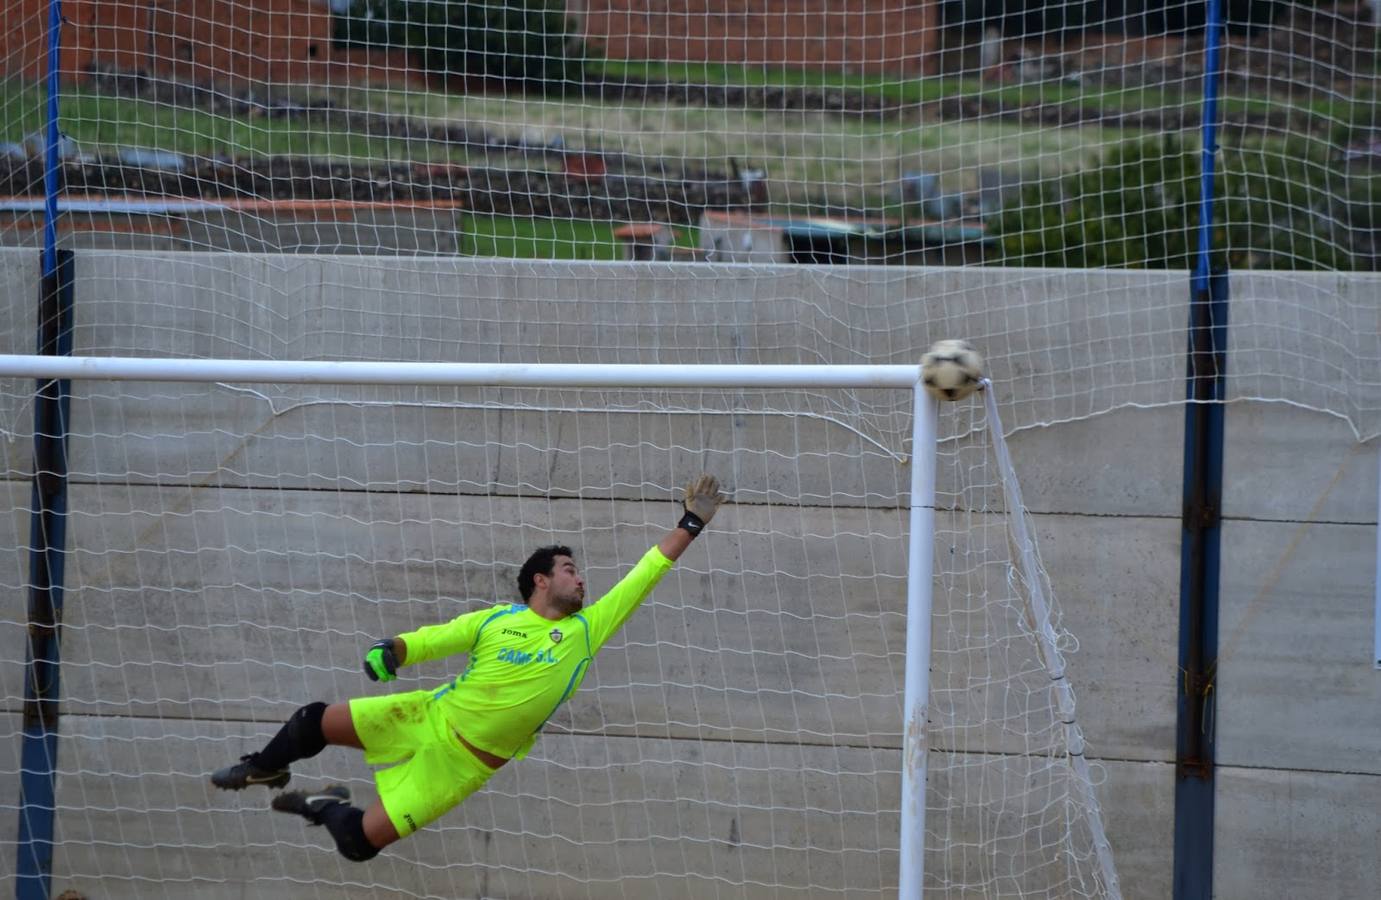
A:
x,y
169,660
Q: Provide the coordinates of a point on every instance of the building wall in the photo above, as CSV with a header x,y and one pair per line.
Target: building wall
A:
x,y
899,36
255,41
279,41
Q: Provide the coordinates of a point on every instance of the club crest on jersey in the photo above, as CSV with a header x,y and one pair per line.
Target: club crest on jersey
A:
x,y
556,635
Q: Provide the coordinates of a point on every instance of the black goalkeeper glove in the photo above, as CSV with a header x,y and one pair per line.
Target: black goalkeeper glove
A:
x,y
702,501
380,663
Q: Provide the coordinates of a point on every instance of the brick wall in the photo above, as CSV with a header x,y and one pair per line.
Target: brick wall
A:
x,y
899,36
267,41
282,41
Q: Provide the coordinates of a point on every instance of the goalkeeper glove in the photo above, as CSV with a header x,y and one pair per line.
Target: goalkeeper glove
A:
x,y
701,503
380,663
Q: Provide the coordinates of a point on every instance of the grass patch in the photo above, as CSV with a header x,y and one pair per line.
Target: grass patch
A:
x,y
536,238
811,158
901,89
804,153
98,122
904,89
897,88
1334,110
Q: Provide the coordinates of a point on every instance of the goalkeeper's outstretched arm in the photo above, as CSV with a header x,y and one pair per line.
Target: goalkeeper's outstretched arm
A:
x,y
702,500
384,658
606,617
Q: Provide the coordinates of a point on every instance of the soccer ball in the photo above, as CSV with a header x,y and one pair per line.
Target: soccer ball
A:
x,y
951,370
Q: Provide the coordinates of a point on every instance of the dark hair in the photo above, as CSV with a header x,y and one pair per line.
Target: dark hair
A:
x,y
541,562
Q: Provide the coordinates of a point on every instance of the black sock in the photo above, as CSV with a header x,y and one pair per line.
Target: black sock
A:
x,y
346,824
299,738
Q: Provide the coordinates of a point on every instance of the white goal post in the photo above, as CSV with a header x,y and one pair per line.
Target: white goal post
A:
x,y
1069,811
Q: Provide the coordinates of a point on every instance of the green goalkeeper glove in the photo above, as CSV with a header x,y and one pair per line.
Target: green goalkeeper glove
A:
x,y
701,503
380,663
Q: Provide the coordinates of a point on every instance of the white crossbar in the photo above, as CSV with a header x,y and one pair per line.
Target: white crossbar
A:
x,y
553,375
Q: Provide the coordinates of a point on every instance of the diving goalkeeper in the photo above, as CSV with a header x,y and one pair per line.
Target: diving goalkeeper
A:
x,y
442,745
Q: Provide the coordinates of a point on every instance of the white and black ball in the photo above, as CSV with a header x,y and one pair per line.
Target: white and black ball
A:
x,y
952,370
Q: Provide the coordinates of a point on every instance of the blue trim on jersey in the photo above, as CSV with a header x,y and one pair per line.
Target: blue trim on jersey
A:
x,y
575,676
565,695
590,654
512,608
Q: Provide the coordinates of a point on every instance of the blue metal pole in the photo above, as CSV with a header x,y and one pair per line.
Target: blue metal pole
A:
x,y
52,157
1213,61
47,532
1195,739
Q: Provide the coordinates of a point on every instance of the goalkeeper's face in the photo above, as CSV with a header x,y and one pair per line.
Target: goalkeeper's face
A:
x,y
566,589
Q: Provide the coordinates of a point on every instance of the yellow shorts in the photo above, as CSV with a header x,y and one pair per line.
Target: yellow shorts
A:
x,y
429,771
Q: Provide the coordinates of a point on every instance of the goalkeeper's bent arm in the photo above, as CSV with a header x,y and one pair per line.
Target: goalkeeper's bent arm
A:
x,y
384,658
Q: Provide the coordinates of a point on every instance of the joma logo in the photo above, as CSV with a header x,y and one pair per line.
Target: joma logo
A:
x,y
513,633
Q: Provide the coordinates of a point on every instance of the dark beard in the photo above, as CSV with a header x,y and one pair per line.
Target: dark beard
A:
x,y
568,606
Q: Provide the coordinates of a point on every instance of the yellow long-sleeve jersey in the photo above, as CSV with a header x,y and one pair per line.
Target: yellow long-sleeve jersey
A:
x,y
522,667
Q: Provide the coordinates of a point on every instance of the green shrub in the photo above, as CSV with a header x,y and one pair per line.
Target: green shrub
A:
x,y
1276,207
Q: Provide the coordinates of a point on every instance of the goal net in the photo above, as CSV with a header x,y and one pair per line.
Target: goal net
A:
x,y
235,547
880,132
524,181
